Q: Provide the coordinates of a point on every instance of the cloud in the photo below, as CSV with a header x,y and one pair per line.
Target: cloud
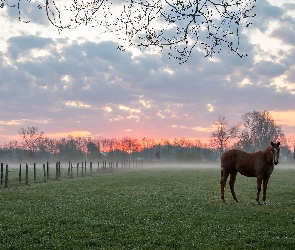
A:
x,y
265,14
28,11
64,84
77,104
22,44
285,30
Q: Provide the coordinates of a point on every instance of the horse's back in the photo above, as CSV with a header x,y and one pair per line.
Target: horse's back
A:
x,y
240,161
229,158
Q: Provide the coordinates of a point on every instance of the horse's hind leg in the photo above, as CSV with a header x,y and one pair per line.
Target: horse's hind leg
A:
x,y
224,175
259,182
265,181
233,176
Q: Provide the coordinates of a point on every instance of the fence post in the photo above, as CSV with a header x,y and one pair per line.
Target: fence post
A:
x,y
91,168
1,179
85,168
6,176
20,173
69,169
82,168
77,168
97,165
58,168
56,171
34,172
47,169
44,172
27,174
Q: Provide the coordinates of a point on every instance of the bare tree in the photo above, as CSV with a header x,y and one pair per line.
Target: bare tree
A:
x,y
31,139
92,147
129,145
107,145
258,130
291,142
147,144
178,25
221,137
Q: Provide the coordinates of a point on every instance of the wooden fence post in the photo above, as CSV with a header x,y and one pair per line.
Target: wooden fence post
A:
x,y
34,172
97,165
56,171
58,168
82,168
27,174
1,179
6,176
77,168
91,168
69,169
85,168
47,169
20,173
44,173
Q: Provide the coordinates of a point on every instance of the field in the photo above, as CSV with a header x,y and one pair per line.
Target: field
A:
x,y
157,208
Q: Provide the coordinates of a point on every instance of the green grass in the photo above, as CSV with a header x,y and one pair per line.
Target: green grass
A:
x,y
148,209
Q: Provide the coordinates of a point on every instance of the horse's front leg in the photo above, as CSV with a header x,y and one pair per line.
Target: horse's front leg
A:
x,y
265,181
232,180
259,182
224,175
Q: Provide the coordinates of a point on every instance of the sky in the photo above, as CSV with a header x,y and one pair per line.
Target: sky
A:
x,y
76,82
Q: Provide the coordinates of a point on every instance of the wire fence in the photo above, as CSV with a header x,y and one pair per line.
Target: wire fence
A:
x,y
35,173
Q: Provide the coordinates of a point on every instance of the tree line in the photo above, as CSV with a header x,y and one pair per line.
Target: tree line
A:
x,y
253,133
34,145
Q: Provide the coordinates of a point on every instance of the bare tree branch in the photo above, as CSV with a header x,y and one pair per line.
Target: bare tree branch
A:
x,y
180,25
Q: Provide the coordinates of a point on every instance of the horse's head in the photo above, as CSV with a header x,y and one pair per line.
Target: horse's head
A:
x,y
275,148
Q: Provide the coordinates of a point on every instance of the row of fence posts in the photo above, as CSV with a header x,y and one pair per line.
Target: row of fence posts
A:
x,y
104,166
46,173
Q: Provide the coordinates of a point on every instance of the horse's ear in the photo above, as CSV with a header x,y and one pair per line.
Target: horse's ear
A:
x,y
271,143
278,143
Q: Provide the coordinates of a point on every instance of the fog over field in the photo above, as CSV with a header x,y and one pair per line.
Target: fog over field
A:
x,y
152,165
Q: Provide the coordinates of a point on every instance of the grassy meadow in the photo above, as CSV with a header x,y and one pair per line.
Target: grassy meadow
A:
x,y
157,208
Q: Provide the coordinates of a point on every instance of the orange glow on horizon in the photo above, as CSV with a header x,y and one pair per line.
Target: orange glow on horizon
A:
x,y
284,117
82,133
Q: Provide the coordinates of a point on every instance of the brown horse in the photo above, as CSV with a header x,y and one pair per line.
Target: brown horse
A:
x,y
259,164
